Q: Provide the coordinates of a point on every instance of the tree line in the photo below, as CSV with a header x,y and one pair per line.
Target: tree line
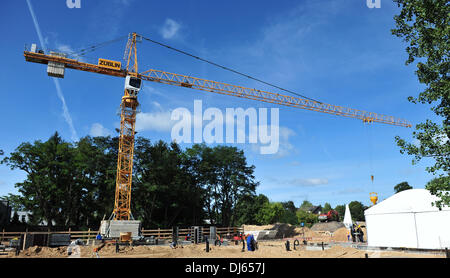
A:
x,y
73,184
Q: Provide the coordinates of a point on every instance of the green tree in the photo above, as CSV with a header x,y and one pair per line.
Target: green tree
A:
x,y
341,211
49,176
402,187
289,216
71,185
165,192
307,218
357,210
438,186
105,162
225,176
15,219
13,201
95,164
270,213
247,208
306,205
425,26
326,208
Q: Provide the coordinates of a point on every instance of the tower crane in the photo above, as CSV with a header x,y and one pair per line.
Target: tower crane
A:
x,y
58,62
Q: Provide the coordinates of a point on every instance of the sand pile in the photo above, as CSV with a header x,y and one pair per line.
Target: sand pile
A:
x,y
340,234
327,226
306,232
44,252
256,227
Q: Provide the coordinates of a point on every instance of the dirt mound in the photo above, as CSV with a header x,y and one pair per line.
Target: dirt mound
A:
x,y
306,232
257,228
327,226
44,252
340,234
283,230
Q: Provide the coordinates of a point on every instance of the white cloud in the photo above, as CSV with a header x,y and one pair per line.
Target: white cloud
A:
x,y
64,48
170,28
285,147
350,191
309,181
123,2
158,121
288,183
98,130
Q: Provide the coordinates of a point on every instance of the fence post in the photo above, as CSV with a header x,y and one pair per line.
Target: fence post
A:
x,y
89,236
3,235
159,233
24,239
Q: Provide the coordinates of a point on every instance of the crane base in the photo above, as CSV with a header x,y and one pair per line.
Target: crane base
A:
x,y
112,228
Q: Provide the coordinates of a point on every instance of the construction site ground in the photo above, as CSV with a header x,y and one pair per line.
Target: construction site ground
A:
x,y
336,245
267,249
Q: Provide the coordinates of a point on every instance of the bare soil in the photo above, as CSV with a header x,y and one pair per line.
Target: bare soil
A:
x,y
267,249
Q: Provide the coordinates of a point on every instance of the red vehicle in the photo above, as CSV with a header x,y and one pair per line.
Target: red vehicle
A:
x,y
332,215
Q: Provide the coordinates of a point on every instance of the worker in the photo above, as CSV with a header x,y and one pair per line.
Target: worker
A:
x,y
251,243
173,245
360,233
352,232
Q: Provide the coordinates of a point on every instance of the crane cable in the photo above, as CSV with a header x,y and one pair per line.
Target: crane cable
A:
x,y
94,47
228,69
368,131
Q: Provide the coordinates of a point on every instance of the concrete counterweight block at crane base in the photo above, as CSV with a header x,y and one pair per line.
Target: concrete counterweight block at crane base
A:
x,y
113,228
56,69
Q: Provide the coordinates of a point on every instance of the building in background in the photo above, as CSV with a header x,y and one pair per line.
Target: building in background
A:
x,y
25,217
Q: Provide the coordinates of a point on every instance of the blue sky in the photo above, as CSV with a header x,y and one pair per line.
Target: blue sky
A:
x,y
336,51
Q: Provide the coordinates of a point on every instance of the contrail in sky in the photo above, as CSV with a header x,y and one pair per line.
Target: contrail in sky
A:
x,y
66,113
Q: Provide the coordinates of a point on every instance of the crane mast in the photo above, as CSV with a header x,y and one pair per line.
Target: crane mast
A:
x,y
122,201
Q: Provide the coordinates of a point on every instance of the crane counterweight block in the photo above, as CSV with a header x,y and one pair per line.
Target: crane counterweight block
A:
x,y
56,69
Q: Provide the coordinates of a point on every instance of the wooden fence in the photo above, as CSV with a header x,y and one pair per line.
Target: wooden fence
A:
x,y
157,233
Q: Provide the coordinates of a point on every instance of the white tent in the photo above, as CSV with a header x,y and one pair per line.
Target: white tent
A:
x,y
347,218
408,220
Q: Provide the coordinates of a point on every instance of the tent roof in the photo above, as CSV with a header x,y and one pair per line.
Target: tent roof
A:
x,y
412,200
